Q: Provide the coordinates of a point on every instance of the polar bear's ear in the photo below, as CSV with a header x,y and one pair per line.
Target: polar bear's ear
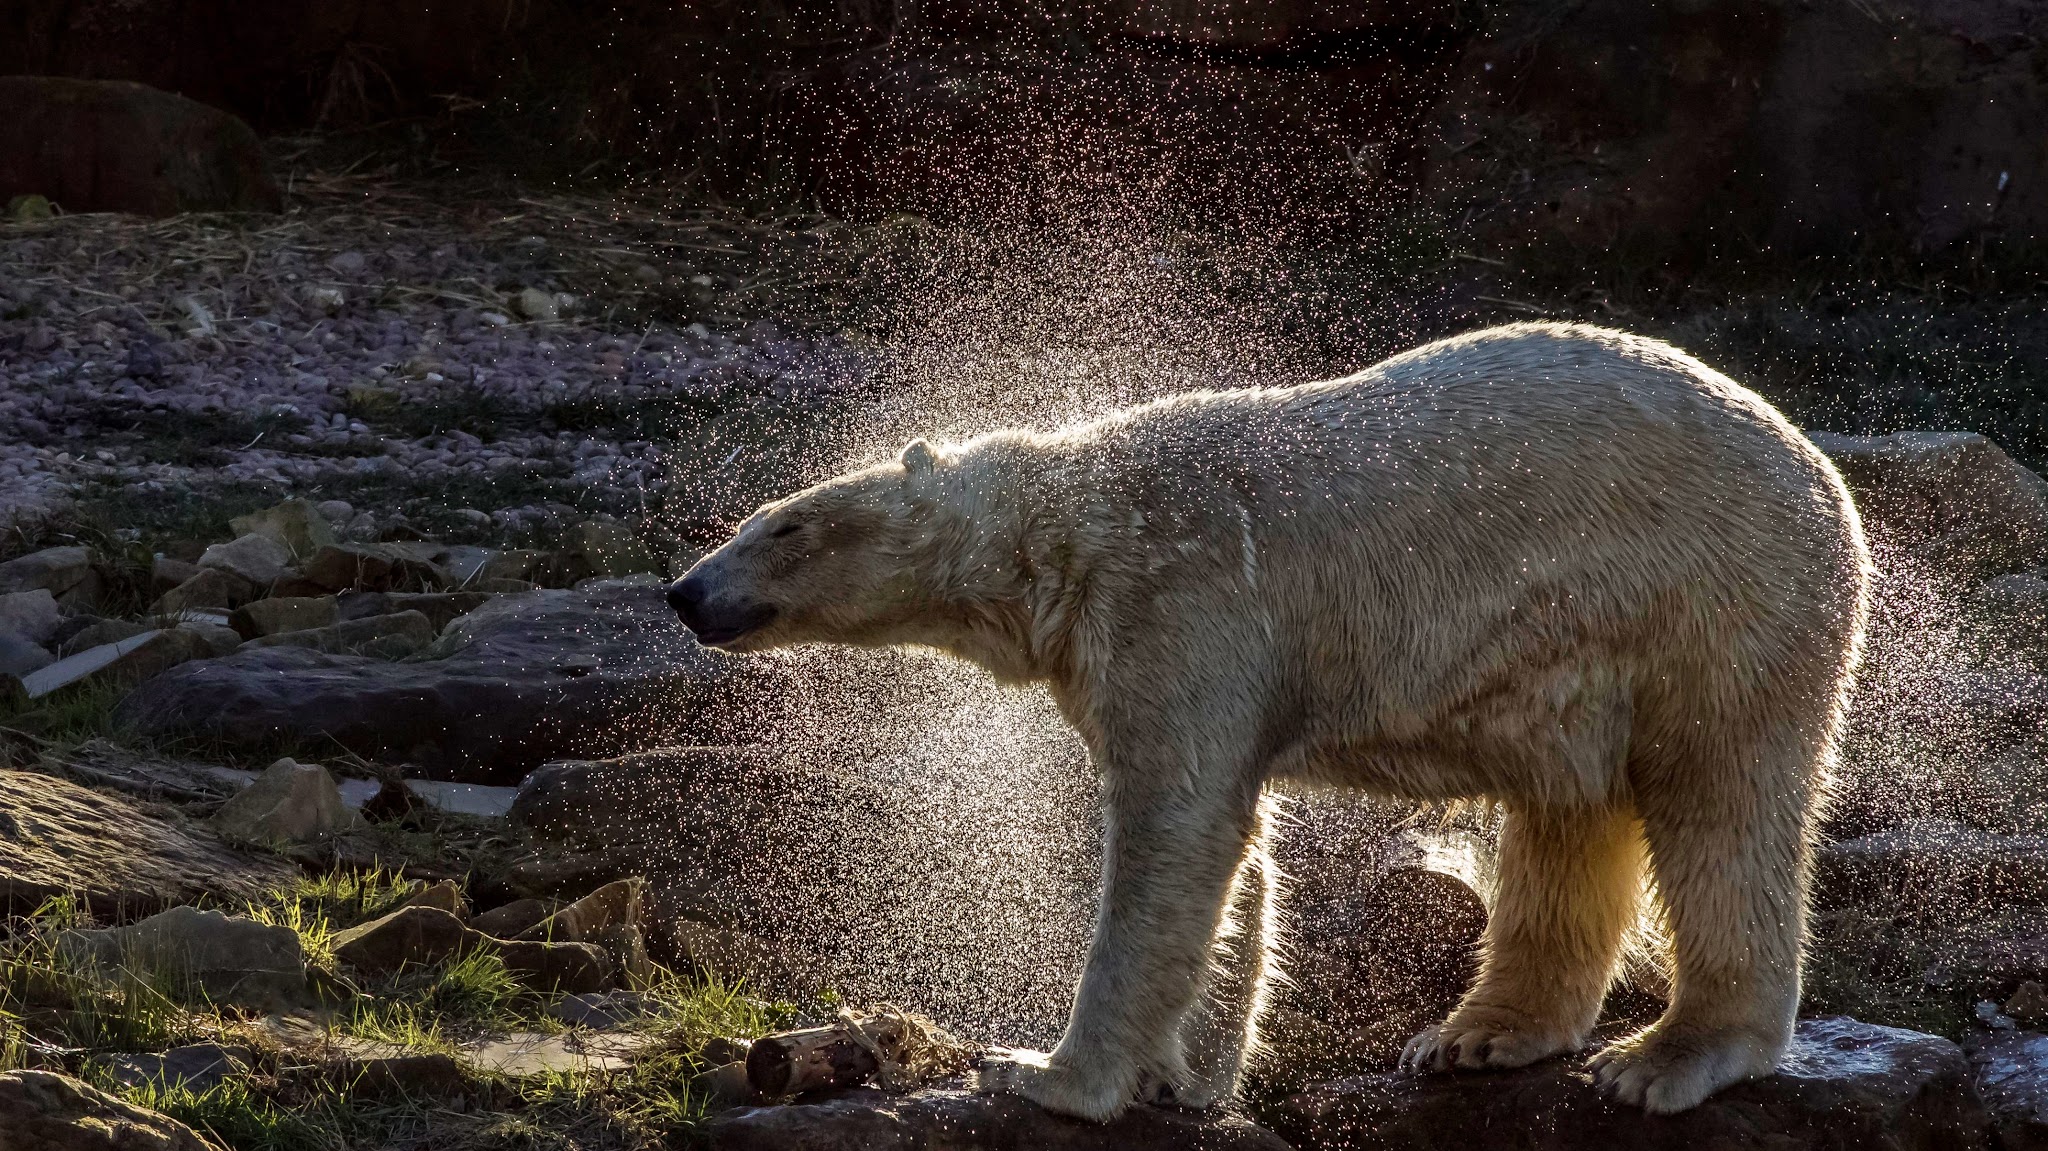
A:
x,y
919,458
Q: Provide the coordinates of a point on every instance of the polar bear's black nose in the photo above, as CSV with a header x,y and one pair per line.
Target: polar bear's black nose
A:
x,y
687,597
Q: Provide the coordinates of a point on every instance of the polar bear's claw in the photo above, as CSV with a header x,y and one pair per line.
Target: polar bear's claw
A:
x,y
1667,1071
1479,1041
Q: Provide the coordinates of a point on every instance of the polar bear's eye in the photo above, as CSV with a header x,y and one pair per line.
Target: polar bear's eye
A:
x,y
784,530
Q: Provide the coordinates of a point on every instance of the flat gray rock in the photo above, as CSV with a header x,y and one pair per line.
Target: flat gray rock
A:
x,y
591,672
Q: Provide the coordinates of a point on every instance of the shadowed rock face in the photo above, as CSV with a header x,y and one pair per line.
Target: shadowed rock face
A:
x,y
592,672
1844,1084
111,146
951,1118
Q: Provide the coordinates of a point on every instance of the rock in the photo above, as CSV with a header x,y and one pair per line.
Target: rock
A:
x,y
627,945
166,573
408,1075
440,608
217,639
282,614
553,875
1948,502
527,1054
2029,1004
2012,1076
30,615
444,895
419,936
603,1012
297,524
20,658
229,958
45,1111
616,904
196,1066
289,803
2015,607
104,632
535,304
381,636
514,919
211,588
564,968
408,937
135,658
66,573
58,837
367,567
599,549
730,955
512,684
516,564
114,146
1667,130
257,559
952,1117
1933,864
1842,1084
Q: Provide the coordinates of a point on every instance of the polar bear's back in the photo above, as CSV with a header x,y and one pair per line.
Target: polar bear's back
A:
x,y
1484,503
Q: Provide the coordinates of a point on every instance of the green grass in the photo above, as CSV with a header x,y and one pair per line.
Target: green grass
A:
x,y
125,1009
235,1114
431,1009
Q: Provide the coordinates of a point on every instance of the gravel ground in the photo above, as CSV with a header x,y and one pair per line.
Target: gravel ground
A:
x,y
490,364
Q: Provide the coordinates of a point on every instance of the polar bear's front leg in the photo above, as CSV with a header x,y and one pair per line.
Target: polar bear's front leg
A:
x,y
1221,1030
1169,853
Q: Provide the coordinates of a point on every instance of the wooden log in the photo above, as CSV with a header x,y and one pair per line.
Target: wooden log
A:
x,y
809,1060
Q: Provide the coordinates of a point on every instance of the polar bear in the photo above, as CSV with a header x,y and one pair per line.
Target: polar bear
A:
x,y
1569,570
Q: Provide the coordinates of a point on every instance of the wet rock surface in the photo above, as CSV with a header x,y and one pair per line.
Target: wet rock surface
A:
x,y
2012,1077
1843,1084
57,837
514,683
950,1117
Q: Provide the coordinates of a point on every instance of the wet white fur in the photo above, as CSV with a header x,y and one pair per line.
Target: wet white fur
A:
x,y
1567,569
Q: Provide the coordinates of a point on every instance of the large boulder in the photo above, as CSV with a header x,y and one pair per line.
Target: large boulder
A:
x,y
526,678
57,837
1676,131
113,146
949,1117
1949,503
44,1111
1843,1084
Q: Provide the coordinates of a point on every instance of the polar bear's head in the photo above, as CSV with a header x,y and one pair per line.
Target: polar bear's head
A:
x,y
830,564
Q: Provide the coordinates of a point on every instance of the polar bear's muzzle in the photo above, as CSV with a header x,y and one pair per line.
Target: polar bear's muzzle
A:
x,y
716,620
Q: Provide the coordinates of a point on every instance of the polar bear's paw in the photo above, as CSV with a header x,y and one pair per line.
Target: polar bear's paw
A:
x,y
1475,1039
1663,1070
1054,1086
